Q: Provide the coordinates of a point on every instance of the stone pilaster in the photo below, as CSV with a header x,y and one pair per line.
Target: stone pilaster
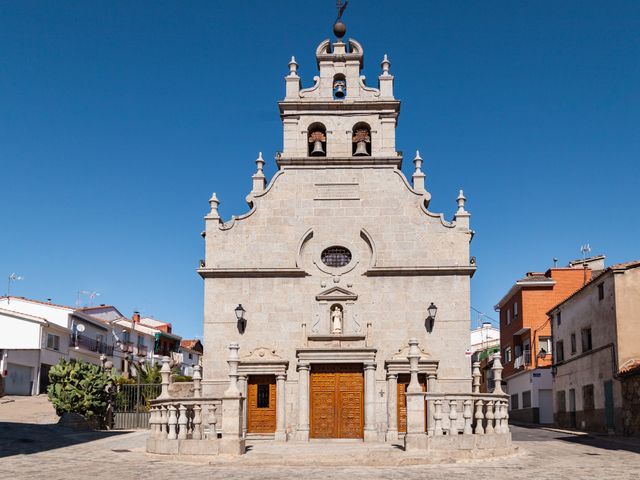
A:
x,y
302,432
370,434
392,407
281,434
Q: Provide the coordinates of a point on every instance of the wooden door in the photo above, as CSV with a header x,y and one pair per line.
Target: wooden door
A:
x,y
337,401
261,401
403,383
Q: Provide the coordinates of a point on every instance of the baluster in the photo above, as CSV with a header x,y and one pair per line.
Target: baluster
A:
x,y
197,421
479,418
437,416
489,416
498,416
163,421
505,417
172,422
213,434
154,421
453,417
182,422
467,417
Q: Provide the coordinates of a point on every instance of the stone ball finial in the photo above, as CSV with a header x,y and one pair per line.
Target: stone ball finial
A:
x,y
339,29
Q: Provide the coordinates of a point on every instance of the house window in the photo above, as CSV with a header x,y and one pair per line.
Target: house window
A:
x,y
126,336
140,340
561,402
190,356
601,291
586,340
515,310
507,355
573,343
514,402
263,395
587,398
526,399
558,319
508,316
53,341
560,350
544,345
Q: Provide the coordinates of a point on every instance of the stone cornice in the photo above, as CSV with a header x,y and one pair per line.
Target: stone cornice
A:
x,y
421,270
395,161
250,272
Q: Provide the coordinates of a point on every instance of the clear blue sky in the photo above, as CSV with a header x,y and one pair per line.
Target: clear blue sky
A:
x,y
118,119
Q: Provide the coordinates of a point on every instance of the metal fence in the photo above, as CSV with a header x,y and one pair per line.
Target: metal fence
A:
x,y
131,409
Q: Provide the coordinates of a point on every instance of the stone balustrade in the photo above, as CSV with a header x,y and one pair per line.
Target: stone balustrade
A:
x,y
196,425
467,413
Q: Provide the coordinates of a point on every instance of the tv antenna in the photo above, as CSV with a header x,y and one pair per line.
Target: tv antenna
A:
x,y
12,278
585,249
91,295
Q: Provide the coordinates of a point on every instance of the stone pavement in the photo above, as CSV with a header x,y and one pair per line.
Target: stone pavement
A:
x,y
29,451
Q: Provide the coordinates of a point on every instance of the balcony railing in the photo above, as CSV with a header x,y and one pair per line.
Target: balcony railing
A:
x,y
523,360
127,347
82,341
141,350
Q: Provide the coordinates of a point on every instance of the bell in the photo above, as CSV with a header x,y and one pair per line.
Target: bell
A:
x,y
317,148
361,148
339,91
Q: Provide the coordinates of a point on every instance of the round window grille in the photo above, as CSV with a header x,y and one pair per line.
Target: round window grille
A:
x,y
335,256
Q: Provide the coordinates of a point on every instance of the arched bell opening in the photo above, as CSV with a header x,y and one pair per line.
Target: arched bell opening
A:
x,y
339,87
361,140
317,140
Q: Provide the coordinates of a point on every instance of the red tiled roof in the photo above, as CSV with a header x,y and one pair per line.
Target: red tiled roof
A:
x,y
629,367
192,344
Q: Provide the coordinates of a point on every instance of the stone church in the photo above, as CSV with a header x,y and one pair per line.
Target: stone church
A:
x,y
337,263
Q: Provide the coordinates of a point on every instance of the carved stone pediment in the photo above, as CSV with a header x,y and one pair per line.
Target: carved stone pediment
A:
x,y
404,351
336,294
262,354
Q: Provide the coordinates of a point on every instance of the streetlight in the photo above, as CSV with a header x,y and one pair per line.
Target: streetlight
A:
x,y
242,322
432,310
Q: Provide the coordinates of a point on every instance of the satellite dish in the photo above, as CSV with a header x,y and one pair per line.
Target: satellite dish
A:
x,y
80,327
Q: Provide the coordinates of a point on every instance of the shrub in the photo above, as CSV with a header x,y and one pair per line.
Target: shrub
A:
x,y
80,387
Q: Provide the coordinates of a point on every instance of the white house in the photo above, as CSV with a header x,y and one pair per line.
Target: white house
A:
x,y
33,337
484,338
190,355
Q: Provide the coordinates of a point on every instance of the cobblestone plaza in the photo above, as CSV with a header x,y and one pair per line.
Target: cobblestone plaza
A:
x,y
30,451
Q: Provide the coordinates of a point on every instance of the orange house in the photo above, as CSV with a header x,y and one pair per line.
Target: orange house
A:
x,y
525,336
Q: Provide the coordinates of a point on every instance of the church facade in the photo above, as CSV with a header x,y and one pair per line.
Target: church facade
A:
x,y
336,265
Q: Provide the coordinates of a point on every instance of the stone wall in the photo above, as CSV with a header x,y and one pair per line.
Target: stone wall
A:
x,y
631,405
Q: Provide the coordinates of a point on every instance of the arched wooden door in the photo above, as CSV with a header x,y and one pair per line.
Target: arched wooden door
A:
x,y
261,404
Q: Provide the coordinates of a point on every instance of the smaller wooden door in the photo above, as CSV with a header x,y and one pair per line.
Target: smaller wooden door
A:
x,y
261,404
403,383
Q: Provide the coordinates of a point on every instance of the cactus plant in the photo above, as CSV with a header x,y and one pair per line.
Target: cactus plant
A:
x,y
80,387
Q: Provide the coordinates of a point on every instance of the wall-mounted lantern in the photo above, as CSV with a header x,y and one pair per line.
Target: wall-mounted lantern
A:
x,y
432,310
242,322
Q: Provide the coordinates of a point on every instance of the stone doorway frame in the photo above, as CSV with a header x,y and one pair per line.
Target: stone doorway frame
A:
x,y
308,356
264,361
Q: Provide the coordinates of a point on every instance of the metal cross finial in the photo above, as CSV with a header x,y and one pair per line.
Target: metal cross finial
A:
x,y
341,6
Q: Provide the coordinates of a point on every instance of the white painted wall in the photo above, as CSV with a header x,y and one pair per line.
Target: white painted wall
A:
x,y
52,313
18,333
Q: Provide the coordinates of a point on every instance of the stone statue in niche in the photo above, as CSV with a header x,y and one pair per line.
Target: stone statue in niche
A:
x,y
336,320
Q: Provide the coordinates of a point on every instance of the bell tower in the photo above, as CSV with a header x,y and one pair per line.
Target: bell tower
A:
x,y
339,120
